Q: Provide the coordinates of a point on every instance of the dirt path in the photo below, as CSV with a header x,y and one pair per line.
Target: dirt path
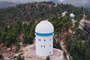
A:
x,y
61,42
63,46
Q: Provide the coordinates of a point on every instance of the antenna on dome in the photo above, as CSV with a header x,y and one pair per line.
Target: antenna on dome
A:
x,y
83,14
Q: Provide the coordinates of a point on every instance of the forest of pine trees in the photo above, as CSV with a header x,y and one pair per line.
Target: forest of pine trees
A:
x,y
11,26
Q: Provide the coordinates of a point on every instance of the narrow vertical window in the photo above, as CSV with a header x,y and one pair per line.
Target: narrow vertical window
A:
x,y
44,45
49,39
44,40
50,45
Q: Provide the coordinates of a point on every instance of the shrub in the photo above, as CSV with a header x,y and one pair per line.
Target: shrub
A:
x,y
48,58
19,57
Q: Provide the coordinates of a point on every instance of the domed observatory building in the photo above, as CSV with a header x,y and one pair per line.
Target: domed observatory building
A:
x,y
44,32
64,13
72,15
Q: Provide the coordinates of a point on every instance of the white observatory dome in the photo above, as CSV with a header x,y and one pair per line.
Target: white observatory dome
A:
x,y
44,32
72,15
44,27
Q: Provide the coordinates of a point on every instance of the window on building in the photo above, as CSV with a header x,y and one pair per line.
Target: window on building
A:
x,y
49,52
44,40
44,45
49,39
41,45
50,45
39,39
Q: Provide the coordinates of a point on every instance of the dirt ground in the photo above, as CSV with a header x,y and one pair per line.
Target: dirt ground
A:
x,y
7,52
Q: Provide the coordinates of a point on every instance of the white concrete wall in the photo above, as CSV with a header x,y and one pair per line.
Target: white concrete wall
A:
x,y
48,43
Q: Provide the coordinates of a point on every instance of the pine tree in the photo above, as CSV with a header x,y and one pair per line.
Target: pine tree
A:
x,y
10,39
58,45
48,58
87,54
64,54
19,57
1,57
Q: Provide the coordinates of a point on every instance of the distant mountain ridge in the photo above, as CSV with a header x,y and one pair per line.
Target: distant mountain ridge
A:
x,y
78,3
4,4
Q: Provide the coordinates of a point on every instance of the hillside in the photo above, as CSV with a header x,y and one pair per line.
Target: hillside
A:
x,y
4,4
37,11
88,8
78,3
17,28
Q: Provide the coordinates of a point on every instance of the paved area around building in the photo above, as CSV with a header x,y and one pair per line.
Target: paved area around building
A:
x,y
30,54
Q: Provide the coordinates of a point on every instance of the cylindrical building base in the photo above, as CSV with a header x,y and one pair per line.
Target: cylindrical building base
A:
x,y
44,46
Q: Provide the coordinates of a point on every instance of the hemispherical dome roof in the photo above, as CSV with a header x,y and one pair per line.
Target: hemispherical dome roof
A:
x,y
44,27
72,15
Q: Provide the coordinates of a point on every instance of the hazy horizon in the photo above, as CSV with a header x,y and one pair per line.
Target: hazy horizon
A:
x,y
24,1
79,3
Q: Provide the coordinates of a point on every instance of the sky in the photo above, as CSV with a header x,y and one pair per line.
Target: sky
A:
x,y
24,1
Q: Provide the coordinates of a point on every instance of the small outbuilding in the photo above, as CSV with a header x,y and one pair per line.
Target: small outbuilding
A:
x,y
64,13
72,15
